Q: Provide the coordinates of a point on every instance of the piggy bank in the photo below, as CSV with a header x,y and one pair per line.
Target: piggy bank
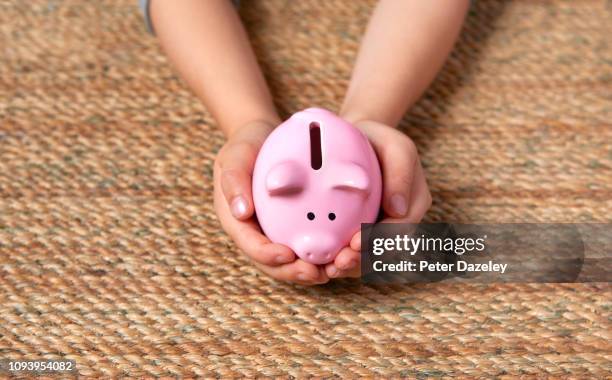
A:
x,y
316,179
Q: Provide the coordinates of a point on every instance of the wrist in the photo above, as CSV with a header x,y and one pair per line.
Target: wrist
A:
x,y
260,125
253,132
356,115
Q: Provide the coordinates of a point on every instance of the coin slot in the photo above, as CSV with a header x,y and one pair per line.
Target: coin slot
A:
x,y
316,156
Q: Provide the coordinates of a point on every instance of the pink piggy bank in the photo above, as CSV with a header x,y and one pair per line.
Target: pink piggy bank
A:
x,y
316,179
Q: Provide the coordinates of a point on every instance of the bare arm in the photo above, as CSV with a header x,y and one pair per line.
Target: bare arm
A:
x,y
207,44
405,45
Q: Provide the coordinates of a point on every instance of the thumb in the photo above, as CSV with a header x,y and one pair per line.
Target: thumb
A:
x,y
398,158
236,165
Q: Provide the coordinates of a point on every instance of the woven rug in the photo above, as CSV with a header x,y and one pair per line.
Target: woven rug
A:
x,y
111,254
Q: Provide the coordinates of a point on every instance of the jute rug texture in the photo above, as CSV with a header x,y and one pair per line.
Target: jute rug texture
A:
x,y
111,254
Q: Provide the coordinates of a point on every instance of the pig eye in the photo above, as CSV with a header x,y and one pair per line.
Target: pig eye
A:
x,y
331,216
310,216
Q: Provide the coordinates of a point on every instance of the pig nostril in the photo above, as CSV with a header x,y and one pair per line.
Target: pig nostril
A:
x,y
309,255
310,216
331,216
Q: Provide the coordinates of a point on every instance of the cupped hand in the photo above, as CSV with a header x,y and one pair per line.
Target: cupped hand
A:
x,y
233,202
406,197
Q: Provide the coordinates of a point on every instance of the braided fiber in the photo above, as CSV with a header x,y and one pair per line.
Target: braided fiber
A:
x,y
111,254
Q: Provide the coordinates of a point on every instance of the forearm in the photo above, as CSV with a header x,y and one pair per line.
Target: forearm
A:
x,y
404,47
207,44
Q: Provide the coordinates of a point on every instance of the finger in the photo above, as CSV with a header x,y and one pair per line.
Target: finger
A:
x,y
352,273
421,197
299,272
398,161
333,272
346,264
420,201
248,237
347,259
258,247
236,164
355,243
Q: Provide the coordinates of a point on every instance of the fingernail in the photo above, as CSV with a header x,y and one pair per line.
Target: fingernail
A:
x,y
351,264
304,277
398,204
333,271
281,259
239,207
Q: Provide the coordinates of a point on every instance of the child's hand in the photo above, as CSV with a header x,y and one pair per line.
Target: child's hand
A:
x,y
396,62
234,207
206,42
406,197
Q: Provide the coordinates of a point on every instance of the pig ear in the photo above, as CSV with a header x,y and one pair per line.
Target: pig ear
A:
x,y
285,178
350,176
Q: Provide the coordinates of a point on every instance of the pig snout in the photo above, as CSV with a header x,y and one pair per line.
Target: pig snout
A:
x,y
316,248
